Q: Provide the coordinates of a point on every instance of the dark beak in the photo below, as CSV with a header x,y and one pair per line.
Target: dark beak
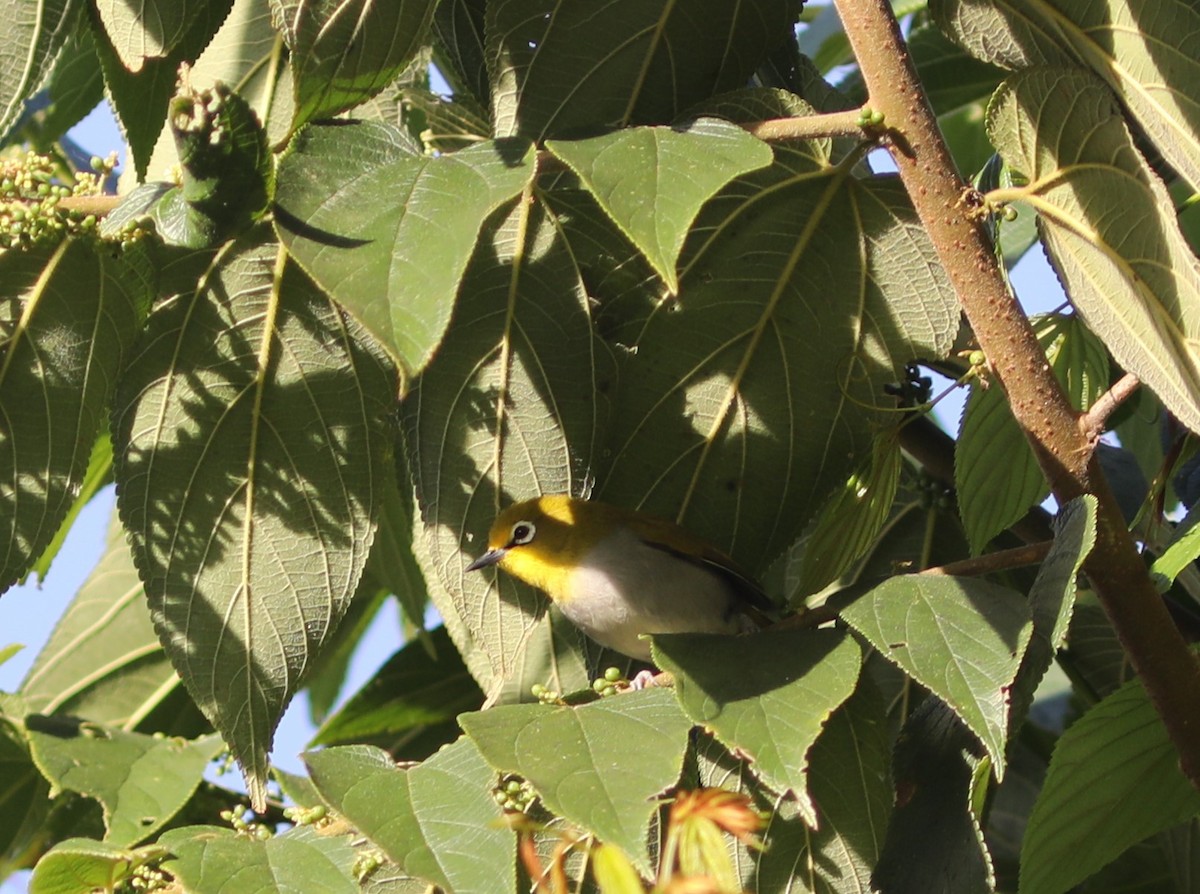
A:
x,y
491,557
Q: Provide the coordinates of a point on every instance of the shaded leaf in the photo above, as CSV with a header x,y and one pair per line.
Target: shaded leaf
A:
x,y
140,781
1109,226
766,697
995,472
438,821
731,417
1052,599
97,476
389,234
212,859
853,517
558,69
1115,760
74,87
29,44
1145,53
343,52
103,661
652,180
578,759
68,320
961,638
513,406
253,435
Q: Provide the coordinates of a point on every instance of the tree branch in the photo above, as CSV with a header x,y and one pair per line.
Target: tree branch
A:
x,y
1169,672
1092,422
811,127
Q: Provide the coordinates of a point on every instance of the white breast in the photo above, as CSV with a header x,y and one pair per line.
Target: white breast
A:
x,y
623,588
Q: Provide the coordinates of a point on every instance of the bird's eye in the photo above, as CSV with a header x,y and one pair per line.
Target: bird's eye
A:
x,y
522,533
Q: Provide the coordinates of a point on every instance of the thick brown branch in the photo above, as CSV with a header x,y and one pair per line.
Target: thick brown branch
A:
x,y
1169,672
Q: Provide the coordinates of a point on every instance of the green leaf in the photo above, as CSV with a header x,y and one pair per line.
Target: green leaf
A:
x,y
257,412
97,476
140,99
513,406
1109,226
29,44
558,69
1182,551
961,638
1052,599
437,820
24,795
388,234
392,563
850,782
68,320
82,864
652,180
730,416
765,697
423,685
103,661
74,87
580,759
149,29
343,52
140,781
996,474
215,860
1115,761
1143,52
458,30
225,169
853,517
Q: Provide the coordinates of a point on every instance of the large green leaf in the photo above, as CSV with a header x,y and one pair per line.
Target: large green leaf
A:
x,y
962,638
803,292
253,435
1115,761
1146,52
216,860
996,474
84,864
599,766
652,180
149,29
343,52
389,234
558,68
140,781
68,320
33,35
437,820
513,406
765,697
103,661
1109,225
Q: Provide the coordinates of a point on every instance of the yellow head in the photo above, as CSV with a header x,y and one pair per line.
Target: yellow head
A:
x,y
541,541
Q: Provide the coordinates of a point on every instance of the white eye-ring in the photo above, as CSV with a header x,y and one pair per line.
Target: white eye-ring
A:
x,y
522,533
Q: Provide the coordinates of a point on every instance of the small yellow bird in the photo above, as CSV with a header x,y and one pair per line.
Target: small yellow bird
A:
x,y
618,574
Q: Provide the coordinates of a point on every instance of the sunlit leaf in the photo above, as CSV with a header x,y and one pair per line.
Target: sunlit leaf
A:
x,y
1144,51
253,435
33,35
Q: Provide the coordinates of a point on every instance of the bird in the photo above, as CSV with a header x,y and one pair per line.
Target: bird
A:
x,y
619,574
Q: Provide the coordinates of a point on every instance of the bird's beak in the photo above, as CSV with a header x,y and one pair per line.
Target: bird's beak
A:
x,y
491,557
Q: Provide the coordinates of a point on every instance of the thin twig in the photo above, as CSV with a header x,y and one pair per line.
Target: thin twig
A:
x,y
1092,422
1001,560
810,127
